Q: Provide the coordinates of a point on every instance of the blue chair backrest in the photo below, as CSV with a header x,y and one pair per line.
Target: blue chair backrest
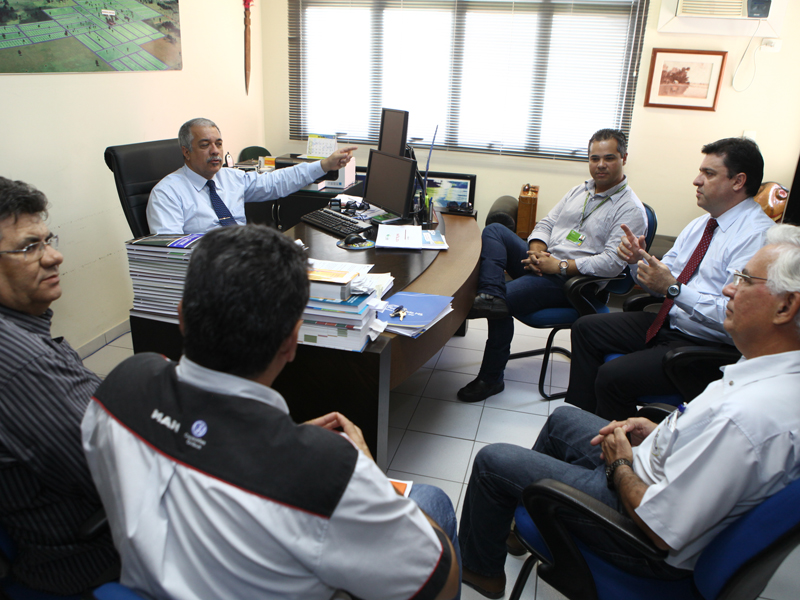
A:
x,y
745,538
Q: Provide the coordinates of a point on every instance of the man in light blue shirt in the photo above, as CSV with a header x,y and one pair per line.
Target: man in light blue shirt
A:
x,y
729,177
184,201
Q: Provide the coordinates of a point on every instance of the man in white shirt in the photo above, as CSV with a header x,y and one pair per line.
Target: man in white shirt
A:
x,y
213,491
682,481
693,314
202,195
578,236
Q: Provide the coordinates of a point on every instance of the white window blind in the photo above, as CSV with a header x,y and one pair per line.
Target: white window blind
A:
x,y
530,77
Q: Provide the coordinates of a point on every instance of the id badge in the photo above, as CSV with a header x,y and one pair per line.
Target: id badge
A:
x,y
575,237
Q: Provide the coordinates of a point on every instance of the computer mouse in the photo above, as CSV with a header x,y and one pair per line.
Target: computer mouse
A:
x,y
353,239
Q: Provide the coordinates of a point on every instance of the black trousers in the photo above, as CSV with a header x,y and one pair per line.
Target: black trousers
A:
x,y
610,389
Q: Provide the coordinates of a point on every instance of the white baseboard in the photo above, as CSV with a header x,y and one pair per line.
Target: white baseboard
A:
x,y
101,340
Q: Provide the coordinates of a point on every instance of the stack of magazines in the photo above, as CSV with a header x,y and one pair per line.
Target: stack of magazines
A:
x,y
341,311
411,314
158,265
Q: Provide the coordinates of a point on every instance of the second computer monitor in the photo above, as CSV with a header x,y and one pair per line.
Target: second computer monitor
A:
x,y
394,131
390,182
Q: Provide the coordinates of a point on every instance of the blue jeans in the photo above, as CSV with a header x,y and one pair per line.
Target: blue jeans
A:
x,y
436,504
502,252
502,471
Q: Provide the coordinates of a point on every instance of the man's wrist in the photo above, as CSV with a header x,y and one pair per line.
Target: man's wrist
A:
x,y
612,468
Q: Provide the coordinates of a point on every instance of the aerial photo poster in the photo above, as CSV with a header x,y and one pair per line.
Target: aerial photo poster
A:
x,y
77,36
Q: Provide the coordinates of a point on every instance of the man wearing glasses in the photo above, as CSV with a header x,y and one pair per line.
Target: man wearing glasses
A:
x,y
691,276
682,481
46,490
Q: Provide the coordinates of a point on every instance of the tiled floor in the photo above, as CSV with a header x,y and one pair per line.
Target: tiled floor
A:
x,y
433,437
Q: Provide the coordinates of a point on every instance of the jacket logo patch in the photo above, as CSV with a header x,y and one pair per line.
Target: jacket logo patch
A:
x,y
165,420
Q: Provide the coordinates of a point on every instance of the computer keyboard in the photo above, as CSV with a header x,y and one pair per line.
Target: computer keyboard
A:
x,y
335,223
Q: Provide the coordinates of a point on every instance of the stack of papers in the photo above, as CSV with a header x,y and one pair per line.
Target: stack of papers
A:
x,y
158,265
346,324
410,237
422,311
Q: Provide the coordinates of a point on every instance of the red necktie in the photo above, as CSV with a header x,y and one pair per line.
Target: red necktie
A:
x,y
684,277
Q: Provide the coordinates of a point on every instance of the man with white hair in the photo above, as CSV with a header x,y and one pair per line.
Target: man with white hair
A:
x,y
201,195
728,450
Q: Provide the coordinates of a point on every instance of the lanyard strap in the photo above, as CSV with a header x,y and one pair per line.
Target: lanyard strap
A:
x,y
584,216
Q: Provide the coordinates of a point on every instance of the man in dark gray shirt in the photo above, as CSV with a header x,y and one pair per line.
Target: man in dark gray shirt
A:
x,y
46,491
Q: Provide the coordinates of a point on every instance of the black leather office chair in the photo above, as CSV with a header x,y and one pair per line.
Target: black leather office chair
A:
x,y
137,169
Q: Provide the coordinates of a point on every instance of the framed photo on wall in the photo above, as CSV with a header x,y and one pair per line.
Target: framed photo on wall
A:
x,y
688,79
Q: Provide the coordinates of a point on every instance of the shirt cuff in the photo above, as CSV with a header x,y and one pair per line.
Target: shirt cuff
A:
x,y
317,170
688,299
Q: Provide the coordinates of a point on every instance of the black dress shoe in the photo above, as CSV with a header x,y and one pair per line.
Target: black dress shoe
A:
x,y
477,390
491,587
488,307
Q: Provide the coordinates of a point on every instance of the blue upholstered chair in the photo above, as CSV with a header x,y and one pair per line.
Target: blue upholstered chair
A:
x,y
580,291
736,565
115,591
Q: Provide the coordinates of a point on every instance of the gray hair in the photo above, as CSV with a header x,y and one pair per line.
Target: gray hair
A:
x,y
783,274
185,135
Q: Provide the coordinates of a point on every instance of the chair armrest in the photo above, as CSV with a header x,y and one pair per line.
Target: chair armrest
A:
x,y
639,302
655,411
692,368
576,288
569,572
93,526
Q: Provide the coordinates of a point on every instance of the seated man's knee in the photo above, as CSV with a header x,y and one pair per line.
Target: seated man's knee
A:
x,y
435,503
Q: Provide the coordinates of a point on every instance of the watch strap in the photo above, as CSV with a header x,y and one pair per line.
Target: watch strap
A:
x,y
610,469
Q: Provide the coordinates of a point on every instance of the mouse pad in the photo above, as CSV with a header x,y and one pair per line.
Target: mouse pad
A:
x,y
366,244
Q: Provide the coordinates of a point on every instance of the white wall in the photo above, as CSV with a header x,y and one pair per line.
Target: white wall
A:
x,y
664,148
56,127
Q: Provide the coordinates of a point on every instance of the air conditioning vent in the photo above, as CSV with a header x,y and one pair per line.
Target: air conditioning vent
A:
x,y
712,8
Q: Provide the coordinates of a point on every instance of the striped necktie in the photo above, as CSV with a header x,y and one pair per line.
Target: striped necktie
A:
x,y
684,277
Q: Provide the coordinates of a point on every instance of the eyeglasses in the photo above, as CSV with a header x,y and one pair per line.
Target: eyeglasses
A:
x,y
739,277
464,206
34,251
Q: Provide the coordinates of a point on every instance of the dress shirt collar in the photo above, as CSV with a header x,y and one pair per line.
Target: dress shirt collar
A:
x,y
730,216
763,367
39,325
198,181
590,187
229,385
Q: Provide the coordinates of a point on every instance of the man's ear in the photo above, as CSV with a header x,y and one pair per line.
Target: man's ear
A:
x,y
624,158
738,181
185,153
787,309
288,348
180,316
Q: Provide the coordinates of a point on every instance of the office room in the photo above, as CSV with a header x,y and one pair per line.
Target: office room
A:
x,y
56,127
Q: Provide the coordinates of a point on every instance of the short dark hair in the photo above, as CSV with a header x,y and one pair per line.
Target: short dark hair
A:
x,y
610,134
740,155
246,287
18,198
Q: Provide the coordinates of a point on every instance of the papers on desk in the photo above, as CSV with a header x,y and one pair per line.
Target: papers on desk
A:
x,y
422,311
410,237
332,280
157,265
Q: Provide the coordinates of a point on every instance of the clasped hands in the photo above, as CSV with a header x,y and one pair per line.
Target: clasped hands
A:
x,y
541,262
334,421
651,271
613,438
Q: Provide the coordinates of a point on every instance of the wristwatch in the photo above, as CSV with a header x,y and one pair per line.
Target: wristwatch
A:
x,y
613,467
563,266
673,291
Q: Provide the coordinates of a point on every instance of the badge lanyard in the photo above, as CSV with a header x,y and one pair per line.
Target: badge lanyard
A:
x,y
575,236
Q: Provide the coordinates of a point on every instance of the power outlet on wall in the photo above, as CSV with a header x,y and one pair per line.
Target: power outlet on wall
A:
x,y
771,45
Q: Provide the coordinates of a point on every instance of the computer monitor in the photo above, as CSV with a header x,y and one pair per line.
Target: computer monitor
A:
x,y
390,182
394,131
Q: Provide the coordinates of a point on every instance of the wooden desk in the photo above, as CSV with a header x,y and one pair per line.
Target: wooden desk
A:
x,y
322,380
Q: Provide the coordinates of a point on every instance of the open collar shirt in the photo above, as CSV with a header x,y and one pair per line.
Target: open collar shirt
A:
x,y
180,203
699,309
597,255
734,446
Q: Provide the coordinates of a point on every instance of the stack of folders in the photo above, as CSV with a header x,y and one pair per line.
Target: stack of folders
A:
x,y
158,265
419,312
341,311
